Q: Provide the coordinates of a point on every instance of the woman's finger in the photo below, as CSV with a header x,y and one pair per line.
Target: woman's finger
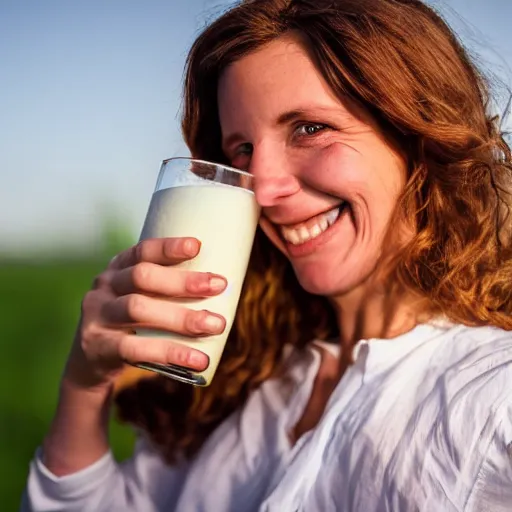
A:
x,y
114,345
166,281
141,311
163,251
138,349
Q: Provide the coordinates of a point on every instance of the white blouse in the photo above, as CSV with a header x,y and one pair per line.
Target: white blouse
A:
x,y
421,422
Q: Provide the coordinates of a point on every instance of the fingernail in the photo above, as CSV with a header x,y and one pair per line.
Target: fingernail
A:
x,y
191,247
199,360
217,284
213,323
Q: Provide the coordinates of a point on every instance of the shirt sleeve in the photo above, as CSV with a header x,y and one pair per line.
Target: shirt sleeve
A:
x,y
493,487
143,482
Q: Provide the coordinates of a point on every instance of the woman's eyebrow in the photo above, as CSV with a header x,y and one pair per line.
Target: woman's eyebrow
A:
x,y
300,113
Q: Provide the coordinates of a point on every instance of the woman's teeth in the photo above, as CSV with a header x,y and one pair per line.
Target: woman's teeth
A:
x,y
312,228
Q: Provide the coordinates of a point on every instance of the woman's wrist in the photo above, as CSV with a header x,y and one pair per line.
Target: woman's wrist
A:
x,y
78,435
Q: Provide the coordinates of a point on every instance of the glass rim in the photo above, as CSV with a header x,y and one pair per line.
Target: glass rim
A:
x,y
207,162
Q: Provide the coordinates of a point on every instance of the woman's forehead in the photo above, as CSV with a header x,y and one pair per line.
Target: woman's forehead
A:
x,y
275,80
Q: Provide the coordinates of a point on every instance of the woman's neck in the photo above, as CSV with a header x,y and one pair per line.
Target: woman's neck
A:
x,y
376,312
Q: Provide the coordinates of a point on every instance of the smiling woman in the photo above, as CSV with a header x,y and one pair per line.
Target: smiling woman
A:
x,y
320,167
369,365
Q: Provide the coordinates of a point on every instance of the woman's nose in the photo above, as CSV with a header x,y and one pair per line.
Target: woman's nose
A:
x,y
273,179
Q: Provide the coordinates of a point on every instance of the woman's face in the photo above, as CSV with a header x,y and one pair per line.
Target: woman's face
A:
x,y
326,179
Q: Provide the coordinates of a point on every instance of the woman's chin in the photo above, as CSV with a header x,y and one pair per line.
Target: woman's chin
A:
x,y
320,283
332,280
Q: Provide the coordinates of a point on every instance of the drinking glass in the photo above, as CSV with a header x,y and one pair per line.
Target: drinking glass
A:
x,y
215,204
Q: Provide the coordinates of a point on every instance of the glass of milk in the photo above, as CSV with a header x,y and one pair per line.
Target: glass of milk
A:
x,y
216,205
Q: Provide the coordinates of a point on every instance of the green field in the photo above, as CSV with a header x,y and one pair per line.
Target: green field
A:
x,y
39,307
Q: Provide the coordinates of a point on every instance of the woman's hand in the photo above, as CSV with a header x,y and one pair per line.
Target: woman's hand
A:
x,y
132,293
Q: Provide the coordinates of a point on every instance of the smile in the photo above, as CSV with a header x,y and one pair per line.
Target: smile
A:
x,y
312,228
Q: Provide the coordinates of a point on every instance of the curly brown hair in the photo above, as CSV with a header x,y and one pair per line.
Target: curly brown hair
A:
x,y
401,62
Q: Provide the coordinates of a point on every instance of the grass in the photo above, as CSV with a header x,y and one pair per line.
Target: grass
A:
x,y
39,309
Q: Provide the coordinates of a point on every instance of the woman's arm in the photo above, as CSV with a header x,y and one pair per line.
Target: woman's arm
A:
x,y
132,292
142,483
78,434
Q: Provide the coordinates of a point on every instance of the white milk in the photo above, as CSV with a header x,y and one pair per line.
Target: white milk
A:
x,y
224,219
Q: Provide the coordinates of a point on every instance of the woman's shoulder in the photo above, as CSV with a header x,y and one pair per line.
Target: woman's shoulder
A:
x,y
474,371
473,402
473,392
478,353
484,336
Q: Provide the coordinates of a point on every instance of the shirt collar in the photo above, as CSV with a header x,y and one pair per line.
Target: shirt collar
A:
x,y
376,354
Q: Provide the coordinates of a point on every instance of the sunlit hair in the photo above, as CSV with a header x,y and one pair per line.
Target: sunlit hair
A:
x,y
399,61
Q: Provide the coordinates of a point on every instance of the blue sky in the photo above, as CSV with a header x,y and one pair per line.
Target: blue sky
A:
x,y
90,93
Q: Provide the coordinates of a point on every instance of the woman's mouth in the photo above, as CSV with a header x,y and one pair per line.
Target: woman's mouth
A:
x,y
311,229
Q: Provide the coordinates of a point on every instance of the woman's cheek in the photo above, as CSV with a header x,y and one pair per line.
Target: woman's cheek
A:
x,y
337,168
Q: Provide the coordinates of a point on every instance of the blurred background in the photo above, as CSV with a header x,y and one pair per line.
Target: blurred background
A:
x,y
89,106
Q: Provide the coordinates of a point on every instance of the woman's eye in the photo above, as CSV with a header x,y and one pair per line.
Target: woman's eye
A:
x,y
309,129
244,149
242,156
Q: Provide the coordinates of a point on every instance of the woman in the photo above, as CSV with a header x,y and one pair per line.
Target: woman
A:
x,y
385,237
